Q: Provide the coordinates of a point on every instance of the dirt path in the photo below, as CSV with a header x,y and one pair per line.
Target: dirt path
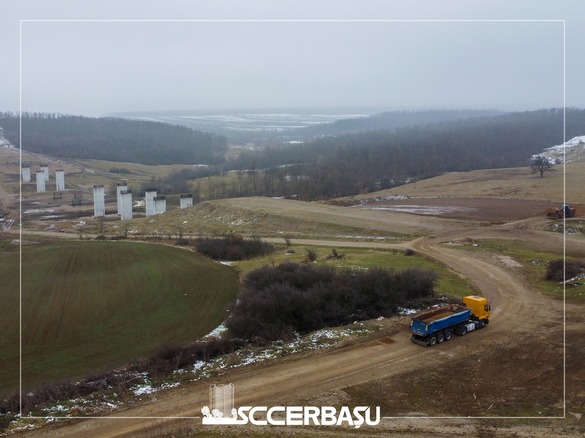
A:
x,y
292,380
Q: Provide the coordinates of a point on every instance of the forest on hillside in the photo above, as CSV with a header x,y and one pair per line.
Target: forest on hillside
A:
x,y
112,139
389,120
324,167
350,164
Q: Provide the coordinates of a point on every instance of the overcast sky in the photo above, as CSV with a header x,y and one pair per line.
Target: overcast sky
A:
x,y
97,67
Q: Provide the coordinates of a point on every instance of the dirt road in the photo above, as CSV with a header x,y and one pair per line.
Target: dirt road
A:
x,y
297,379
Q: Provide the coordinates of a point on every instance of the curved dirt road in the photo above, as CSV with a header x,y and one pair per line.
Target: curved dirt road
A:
x,y
285,382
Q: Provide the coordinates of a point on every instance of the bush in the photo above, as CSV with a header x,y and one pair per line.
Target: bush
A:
x,y
233,247
159,366
558,270
311,256
278,302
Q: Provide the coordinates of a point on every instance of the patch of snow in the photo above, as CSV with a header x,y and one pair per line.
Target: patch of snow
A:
x,y
422,209
509,261
39,210
313,341
383,198
367,237
23,242
144,389
56,409
571,150
25,427
216,332
199,365
405,311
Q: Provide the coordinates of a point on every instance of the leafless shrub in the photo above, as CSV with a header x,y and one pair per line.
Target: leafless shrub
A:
x,y
559,270
278,302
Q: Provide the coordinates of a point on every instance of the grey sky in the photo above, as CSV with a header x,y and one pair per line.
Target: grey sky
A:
x,y
89,67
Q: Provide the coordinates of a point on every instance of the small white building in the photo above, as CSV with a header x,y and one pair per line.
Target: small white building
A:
x,y
149,195
160,204
25,173
40,181
99,201
125,199
45,168
60,180
120,187
186,201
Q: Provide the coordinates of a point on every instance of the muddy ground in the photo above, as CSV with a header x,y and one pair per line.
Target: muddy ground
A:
x,y
478,209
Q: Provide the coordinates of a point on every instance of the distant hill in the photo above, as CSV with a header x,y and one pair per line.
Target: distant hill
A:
x,y
350,164
390,120
272,125
113,139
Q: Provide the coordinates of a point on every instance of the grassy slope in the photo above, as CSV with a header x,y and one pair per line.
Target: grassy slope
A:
x,y
534,265
93,305
362,258
516,183
78,173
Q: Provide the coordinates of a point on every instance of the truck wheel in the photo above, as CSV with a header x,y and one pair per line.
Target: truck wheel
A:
x,y
448,336
432,341
461,330
440,337
487,321
481,324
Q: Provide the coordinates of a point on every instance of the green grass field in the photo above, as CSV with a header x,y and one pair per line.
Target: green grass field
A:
x,y
534,265
91,306
363,258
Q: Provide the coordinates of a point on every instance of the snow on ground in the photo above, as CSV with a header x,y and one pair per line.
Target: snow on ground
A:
x,y
405,311
571,150
108,401
423,209
246,356
216,332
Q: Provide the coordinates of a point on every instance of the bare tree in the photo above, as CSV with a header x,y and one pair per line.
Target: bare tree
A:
x,y
540,164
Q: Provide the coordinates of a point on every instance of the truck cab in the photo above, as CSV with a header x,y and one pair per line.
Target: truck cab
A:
x,y
480,308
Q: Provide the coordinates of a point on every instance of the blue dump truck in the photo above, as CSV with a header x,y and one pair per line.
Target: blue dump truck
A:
x,y
440,324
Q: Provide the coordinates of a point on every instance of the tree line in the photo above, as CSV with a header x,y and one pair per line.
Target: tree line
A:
x,y
351,164
356,163
388,120
323,168
112,139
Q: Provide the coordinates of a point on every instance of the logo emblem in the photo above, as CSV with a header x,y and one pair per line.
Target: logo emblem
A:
x,y
221,410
